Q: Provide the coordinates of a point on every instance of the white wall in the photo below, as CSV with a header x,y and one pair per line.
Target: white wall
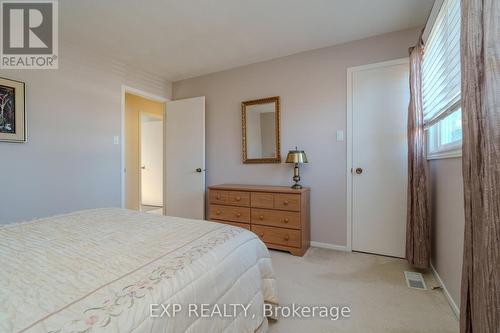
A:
x,y
448,222
312,87
69,161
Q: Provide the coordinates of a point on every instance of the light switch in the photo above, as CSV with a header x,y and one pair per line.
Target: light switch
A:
x,y
340,135
116,140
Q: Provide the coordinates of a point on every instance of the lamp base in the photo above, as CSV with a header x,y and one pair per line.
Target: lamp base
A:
x,y
296,177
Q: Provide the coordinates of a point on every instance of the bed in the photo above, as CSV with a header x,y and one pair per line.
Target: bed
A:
x,y
115,270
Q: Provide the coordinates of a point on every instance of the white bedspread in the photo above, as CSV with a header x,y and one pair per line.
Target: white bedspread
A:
x,y
100,270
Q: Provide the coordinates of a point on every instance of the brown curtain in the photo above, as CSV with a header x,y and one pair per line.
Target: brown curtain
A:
x,y
480,56
418,242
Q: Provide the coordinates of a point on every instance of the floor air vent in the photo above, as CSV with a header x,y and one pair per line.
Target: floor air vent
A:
x,y
415,280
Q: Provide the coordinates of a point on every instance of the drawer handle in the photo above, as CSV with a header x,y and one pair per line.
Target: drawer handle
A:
x,y
261,217
218,196
238,214
286,238
285,202
217,212
261,235
238,198
286,220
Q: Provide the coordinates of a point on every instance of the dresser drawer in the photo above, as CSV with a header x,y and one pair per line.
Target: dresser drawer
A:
x,y
229,213
236,224
278,236
229,198
287,201
262,200
276,218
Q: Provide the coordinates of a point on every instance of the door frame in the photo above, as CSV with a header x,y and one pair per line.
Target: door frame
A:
x,y
138,92
349,136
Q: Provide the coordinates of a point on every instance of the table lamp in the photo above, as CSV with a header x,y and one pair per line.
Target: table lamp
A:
x,y
296,156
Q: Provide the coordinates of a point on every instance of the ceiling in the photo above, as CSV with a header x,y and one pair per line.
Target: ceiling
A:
x,y
178,39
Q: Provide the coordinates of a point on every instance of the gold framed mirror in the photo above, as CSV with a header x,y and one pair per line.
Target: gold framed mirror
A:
x,y
261,130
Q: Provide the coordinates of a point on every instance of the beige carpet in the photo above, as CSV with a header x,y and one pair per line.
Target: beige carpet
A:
x,y
152,209
373,286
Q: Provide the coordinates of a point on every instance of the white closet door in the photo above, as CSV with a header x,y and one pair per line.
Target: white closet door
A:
x,y
380,97
151,160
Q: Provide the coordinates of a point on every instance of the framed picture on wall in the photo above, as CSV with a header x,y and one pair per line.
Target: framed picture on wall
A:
x,y
12,111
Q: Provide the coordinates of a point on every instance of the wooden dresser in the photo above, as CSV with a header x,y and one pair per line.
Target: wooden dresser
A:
x,y
279,215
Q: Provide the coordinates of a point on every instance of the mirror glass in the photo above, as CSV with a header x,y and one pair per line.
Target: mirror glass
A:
x,y
261,131
261,134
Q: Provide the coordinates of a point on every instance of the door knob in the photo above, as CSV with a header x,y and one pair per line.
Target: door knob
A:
x,y
198,170
143,167
359,171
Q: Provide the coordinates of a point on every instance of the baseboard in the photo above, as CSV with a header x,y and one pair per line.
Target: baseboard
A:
x,y
450,300
330,246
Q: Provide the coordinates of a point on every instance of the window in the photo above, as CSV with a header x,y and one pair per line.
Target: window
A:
x,y
445,137
441,79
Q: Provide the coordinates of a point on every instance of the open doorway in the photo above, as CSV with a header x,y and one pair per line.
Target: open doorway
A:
x,y
182,176
151,157
144,153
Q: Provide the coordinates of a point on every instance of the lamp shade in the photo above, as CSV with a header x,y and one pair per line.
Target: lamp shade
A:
x,y
296,156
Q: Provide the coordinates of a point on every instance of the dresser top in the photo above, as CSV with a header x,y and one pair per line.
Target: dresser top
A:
x,y
258,188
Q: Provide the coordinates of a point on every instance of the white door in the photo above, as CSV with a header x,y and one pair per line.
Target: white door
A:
x,y
151,135
185,158
380,97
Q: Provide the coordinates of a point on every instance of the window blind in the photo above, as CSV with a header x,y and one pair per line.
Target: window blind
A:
x,y
441,65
